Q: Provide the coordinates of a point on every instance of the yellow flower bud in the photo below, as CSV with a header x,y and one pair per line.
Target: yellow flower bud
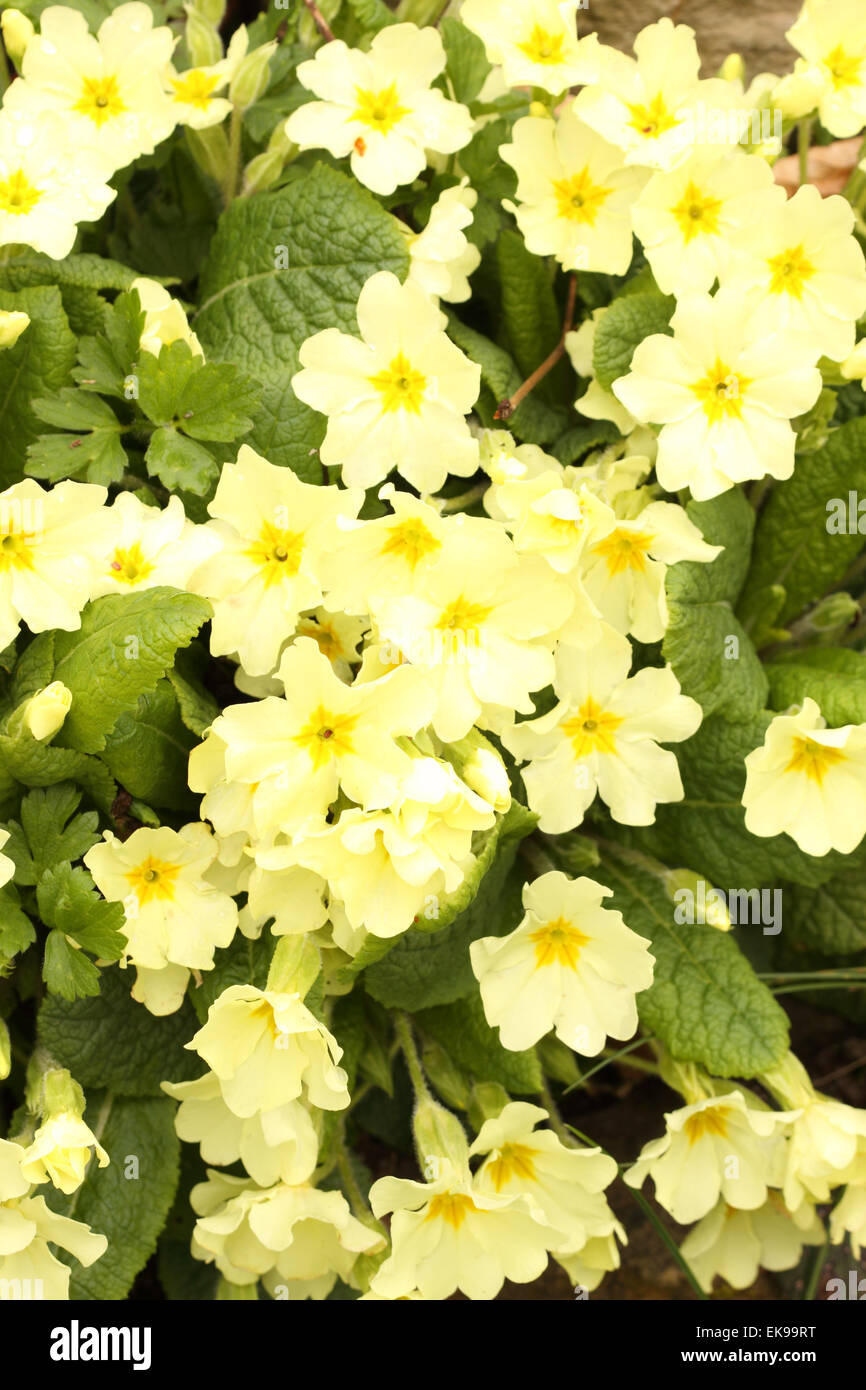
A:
x,y
12,322
46,711
17,33
733,69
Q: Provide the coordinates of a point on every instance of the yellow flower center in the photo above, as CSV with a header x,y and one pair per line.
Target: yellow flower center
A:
x,y
410,541
15,553
707,1122
194,88
543,47
379,110
813,759
514,1161
129,566
100,99
592,729
789,271
278,552
558,943
326,736
462,616
323,635
624,550
844,68
153,879
697,212
18,195
452,1207
401,386
653,119
721,392
578,199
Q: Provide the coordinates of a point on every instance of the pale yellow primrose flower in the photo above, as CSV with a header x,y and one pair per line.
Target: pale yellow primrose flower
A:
x,y
687,219
18,30
574,193
396,398
379,107
803,267
848,1217
28,1228
725,388
534,41
571,965
831,74
175,919
448,1235
734,1245
107,88
192,93
623,572
295,1237
828,1139
45,711
808,781
321,736
274,531
151,546
279,1145
481,637
603,735
48,184
441,257
60,1152
12,325
690,1163
7,865
566,1183
267,1049
646,105
50,541
164,318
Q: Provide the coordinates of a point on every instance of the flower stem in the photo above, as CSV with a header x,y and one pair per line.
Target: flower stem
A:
x,y
234,162
319,20
668,1240
804,134
410,1052
815,1272
506,408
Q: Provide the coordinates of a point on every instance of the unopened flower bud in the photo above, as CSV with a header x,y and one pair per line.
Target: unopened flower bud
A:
x,y
733,69
211,10
46,710
12,325
202,40
17,33
252,77
439,1138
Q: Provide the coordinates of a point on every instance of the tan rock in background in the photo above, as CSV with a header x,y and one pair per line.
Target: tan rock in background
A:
x,y
753,28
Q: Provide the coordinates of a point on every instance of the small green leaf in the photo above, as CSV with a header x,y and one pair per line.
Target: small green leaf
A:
x,y
625,325
67,972
179,462
462,1029
467,67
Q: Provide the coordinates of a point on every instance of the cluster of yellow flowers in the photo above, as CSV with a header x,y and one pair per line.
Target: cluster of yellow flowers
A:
x,y
347,795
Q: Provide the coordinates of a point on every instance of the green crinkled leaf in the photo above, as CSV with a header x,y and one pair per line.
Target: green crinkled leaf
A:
x,y
577,442
462,1029
423,968
705,1003
467,67
39,362
834,677
623,327
91,447
36,764
179,462
124,646
68,973
830,919
148,751
107,360
203,400
372,15
533,421
16,930
50,832
711,655
127,1201
68,901
706,831
111,1041
81,271
198,708
334,236
793,546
